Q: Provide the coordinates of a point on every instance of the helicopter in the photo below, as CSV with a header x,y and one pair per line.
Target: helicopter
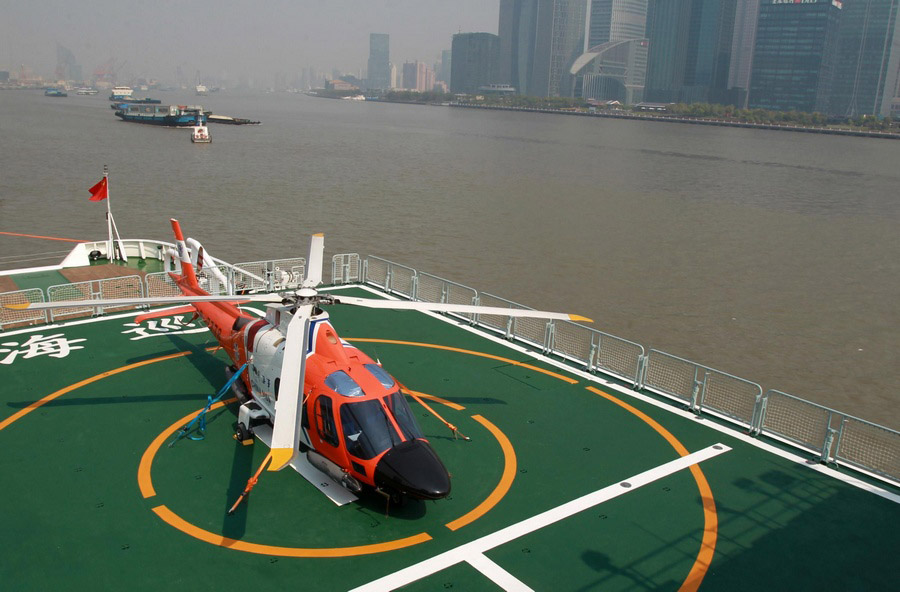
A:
x,y
316,398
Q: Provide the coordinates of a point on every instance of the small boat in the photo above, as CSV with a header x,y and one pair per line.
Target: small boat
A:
x,y
120,93
200,133
166,115
55,92
86,91
230,120
201,90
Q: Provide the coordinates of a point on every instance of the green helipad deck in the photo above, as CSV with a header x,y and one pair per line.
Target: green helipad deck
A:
x,y
570,482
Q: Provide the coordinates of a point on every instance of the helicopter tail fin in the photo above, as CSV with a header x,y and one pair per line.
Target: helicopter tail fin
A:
x,y
187,268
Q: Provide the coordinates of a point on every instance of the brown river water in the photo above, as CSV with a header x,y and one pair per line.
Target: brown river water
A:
x,y
773,256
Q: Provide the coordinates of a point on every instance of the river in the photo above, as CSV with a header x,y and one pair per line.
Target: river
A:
x,y
770,255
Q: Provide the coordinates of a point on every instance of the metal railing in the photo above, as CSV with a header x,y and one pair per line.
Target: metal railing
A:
x,y
345,269
14,318
130,286
703,388
831,435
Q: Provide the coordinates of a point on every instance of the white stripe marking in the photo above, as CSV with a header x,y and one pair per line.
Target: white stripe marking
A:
x,y
497,574
479,546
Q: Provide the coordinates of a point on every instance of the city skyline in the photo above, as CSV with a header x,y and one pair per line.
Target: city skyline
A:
x,y
248,39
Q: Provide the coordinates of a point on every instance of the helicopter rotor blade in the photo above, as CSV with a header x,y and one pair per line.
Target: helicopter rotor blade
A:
x,y
458,308
152,301
286,430
314,263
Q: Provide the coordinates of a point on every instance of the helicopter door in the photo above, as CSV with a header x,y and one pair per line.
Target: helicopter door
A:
x,y
325,421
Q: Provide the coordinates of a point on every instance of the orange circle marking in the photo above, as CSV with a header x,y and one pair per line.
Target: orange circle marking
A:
x,y
506,480
145,483
710,518
691,583
55,395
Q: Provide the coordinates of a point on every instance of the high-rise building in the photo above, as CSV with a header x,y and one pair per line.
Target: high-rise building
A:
x,y
690,50
616,20
66,66
539,42
793,62
446,66
475,61
417,76
410,75
746,17
379,74
614,66
868,58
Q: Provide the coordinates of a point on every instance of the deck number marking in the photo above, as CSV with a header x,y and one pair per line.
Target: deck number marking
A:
x,y
161,327
55,346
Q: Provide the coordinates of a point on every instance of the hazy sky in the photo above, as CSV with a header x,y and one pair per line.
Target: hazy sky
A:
x,y
229,37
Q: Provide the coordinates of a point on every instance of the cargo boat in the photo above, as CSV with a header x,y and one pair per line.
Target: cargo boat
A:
x,y
592,464
166,115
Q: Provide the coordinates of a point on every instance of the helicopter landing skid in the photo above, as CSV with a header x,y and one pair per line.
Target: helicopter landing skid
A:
x,y
324,483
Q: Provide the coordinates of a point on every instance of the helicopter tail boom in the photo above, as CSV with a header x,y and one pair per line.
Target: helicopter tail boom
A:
x,y
187,268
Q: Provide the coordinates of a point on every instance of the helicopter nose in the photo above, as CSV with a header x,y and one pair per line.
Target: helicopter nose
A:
x,y
414,469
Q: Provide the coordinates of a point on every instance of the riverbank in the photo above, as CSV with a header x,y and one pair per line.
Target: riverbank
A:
x,y
785,127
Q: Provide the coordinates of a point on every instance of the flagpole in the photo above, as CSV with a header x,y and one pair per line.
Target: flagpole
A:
x,y
110,248
117,241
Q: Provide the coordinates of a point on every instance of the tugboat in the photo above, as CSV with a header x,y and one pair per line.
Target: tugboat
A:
x,y
200,133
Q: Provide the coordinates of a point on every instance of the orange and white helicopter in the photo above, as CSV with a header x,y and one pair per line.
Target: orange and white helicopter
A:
x,y
329,404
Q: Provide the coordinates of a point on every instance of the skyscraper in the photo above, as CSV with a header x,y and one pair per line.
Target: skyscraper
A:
x,y
744,40
868,58
793,62
446,65
690,50
539,41
615,64
379,75
616,20
474,61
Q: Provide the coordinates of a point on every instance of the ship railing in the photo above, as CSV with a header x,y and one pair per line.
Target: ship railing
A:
x,y
431,288
391,277
345,268
830,435
17,318
701,388
254,276
130,286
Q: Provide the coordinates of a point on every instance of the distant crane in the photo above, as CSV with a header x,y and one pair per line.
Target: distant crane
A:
x,y
108,71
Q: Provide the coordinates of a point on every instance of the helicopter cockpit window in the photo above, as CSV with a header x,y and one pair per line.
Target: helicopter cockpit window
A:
x,y
341,383
381,374
404,415
367,430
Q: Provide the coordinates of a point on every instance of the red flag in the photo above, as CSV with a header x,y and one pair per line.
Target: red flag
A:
x,y
99,191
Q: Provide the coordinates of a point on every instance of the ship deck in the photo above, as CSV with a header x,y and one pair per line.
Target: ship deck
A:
x,y
570,481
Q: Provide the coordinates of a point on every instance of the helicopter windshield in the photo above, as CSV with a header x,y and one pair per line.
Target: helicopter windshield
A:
x,y
404,415
367,430
381,374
